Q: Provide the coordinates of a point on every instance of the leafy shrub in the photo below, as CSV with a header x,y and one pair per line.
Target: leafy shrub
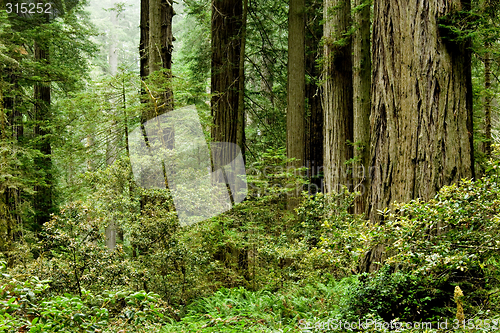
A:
x,y
453,239
392,295
26,306
335,239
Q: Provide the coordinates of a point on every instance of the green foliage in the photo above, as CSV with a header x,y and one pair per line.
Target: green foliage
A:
x,y
391,295
335,238
192,45
73,255
433,246
27,306
477,23
237,309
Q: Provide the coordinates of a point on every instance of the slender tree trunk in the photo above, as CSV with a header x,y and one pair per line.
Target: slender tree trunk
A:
x,y
4,192
144,41
361,102
112,51
314,120
240,131
266,85
295,116
43,203
167,47
12,112
421,116
337,94
487,104
111,151
113,139
89,144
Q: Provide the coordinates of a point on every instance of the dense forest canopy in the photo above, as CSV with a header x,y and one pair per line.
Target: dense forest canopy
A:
x,y
249,165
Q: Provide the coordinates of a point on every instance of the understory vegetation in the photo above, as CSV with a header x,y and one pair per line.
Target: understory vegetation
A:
x,y
301,268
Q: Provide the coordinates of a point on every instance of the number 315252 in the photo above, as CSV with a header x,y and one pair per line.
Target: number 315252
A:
x,y
29,8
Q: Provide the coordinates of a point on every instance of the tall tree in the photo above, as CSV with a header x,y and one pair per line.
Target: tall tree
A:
x,y
337,94
44,197
228,30
421,106
226,48
314,110
487,103
295,117
160,53
361,102
112,139
155,49
112,48
144,40
240,130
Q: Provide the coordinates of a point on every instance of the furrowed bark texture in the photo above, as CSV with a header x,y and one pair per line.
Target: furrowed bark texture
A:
x,y
155,37
226,43
361,104
295,116
421,105
337,94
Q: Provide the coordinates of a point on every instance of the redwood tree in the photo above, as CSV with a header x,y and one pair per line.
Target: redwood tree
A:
x,y
361,102
337,94
295,117
225,83
421,120
44,197
314,110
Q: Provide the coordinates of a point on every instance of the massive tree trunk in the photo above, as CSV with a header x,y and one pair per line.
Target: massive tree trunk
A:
x,y
314,120
361,102
337,94
421,106
295,116
226,44
227,87
43,203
